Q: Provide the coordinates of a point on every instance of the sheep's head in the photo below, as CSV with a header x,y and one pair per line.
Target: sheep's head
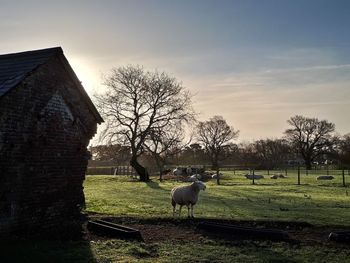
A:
x,y
200,185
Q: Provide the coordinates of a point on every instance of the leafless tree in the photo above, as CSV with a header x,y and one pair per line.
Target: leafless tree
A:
x,y
138,102
166,143
214,135
115,152
271,152
344,150
311,137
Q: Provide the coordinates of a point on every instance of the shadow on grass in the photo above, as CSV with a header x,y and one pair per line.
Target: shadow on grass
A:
x,y
46,251
155,185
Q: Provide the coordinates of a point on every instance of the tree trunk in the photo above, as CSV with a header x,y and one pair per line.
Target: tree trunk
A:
x,y
218,175
308,164
140,170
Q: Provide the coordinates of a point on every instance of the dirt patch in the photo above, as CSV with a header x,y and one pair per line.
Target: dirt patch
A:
x,y
166,232
166,229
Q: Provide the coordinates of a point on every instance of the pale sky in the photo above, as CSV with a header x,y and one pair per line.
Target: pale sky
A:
x,y
256,63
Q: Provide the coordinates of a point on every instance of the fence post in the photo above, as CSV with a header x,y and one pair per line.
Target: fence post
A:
x,y
343,173
307,172
286,172
268,172
253,176
298,175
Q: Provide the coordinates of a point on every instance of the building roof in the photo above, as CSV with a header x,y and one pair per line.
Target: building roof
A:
x,y
17,66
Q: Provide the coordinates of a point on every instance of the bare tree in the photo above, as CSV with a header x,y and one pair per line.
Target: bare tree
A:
x,y
115,152
166,143
344,150
271,152
214,135
138,102
311,137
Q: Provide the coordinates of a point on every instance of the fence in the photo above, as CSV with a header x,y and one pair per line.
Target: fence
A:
x,y
111,170
115,170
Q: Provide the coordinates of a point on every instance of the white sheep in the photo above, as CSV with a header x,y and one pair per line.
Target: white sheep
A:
x,y
177,171
255,176
324,177
186,195
194,177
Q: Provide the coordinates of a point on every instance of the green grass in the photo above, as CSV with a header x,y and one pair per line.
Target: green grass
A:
x,y
315,202
319,203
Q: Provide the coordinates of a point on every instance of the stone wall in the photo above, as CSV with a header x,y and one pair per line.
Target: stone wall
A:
x,y
45,127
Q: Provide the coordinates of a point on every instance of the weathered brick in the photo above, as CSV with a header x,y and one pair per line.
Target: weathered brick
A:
x,y
45,126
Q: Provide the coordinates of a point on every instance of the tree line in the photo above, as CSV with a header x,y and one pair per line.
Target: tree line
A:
x,y
149,118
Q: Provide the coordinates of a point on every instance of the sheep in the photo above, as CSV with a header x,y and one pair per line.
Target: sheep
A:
x,y
177,171
275,176
192,178
186,195
255,176
215,175
324,177
189,170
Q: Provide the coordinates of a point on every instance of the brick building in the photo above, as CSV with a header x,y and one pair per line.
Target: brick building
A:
x,y
46,123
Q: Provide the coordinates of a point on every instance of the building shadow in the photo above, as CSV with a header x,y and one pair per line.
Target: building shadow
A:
x,y
38,251
154,185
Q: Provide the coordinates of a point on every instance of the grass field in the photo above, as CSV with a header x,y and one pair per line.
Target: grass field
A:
x,y
324,205
315,202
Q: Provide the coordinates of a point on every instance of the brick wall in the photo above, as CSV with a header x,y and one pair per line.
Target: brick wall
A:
x,y
45,127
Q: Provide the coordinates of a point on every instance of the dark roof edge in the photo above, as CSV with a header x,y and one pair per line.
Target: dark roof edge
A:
x,y
74,77
20,77
53,49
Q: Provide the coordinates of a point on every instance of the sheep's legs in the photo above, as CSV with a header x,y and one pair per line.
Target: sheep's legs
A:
x,y
180,210
174,209
190,211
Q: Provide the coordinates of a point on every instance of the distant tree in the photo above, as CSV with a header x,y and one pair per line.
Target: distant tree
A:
x,y
247,155
192,154
113,152
214,135
138,102
271,153
165,143
344,150
310,137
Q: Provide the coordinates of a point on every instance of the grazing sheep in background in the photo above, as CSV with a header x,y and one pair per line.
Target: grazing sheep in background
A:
x,y
275,176
324,177
189,170
255,176
192,178
186,195
177,171
215,175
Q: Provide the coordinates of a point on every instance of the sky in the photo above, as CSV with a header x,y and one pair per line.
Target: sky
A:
x,y
256,63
